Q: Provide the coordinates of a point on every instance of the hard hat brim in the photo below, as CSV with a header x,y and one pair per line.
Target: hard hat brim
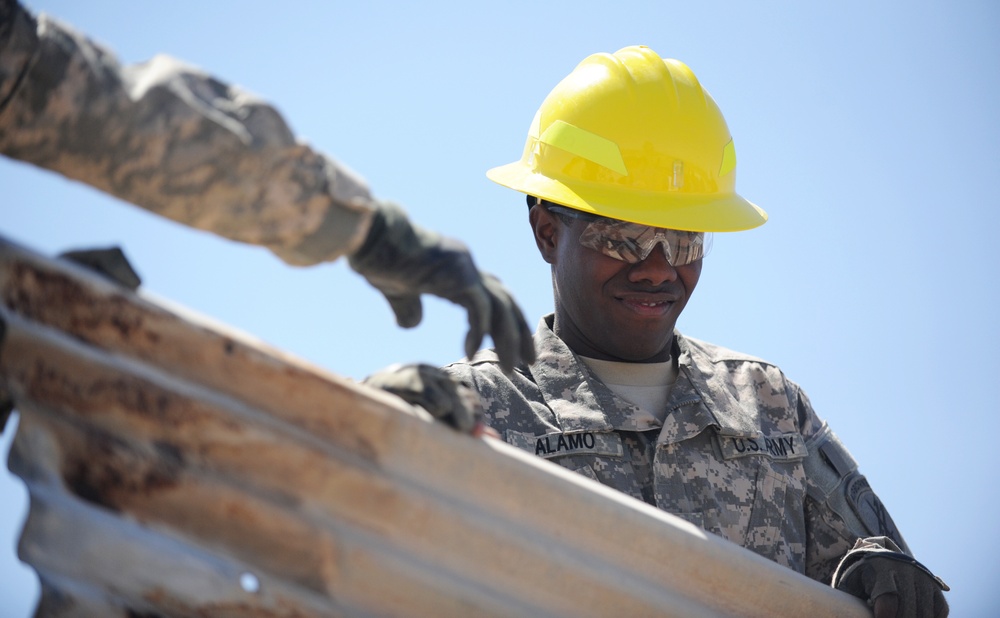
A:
x,y
682,211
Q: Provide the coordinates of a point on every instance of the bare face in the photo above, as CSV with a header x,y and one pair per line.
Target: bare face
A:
x,y
606,308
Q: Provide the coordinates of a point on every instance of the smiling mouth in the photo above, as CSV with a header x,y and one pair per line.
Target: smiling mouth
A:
x,y
647,307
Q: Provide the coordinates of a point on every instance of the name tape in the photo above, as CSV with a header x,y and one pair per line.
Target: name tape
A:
x,y
569,443
784,446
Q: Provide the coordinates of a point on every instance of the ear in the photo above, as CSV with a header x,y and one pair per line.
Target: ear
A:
x,y
546,229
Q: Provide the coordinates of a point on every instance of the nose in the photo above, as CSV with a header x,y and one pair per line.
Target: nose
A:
x,y
655,269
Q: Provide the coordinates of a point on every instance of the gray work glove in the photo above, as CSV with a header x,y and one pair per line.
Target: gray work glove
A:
x,y
404,261
6,407
8,8
432,389
892,582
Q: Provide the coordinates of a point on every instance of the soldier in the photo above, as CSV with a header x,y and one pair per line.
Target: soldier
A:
x,y
629,167
176,141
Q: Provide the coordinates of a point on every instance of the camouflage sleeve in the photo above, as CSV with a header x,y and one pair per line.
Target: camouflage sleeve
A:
x,y
510,402
840,506
465,373
173,140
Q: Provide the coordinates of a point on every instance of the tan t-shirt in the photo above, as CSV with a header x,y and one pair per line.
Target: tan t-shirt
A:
x,y
646,385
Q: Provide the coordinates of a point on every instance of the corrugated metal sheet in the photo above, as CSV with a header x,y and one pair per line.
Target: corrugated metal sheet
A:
x,y
177,468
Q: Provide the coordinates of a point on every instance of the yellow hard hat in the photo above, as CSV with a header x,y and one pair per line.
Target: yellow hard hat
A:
x,y
635,137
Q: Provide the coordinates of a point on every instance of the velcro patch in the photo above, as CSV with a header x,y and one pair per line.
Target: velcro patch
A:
x,y
870,509
569,443
785,446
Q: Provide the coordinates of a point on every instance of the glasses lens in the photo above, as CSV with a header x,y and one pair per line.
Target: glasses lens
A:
x,y
632,242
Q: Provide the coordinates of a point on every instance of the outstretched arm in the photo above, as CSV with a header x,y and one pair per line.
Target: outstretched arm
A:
x,y
176,141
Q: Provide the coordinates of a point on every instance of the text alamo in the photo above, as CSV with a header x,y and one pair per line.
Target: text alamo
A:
x,y
547,445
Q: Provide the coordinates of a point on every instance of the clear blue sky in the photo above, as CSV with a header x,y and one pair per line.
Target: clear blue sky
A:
x,y
867,130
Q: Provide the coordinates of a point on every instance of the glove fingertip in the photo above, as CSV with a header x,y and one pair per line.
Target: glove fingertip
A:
x,y
472,342
408,322
408,309
507,351
505,361
528,353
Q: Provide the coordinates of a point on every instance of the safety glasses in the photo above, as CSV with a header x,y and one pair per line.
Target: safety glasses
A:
x,y
633,242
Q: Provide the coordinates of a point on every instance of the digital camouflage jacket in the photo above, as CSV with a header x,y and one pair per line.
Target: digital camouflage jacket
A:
x,y
741,453
174,140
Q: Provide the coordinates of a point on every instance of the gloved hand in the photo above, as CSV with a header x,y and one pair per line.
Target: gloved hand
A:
x,y
893,583
404,261
7,9
6,407
432,389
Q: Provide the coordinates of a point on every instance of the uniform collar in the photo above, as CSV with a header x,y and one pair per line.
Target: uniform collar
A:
x,y
566,384
710,380
699,398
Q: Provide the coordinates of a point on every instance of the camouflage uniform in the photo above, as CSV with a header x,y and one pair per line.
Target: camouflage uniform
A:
x,y
178,142
741,453
174,140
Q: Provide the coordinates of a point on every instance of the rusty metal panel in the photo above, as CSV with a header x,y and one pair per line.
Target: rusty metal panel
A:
x,y
178,468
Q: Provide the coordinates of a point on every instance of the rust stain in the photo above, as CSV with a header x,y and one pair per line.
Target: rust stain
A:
x,y
89,391
113,321
111,472
58,300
